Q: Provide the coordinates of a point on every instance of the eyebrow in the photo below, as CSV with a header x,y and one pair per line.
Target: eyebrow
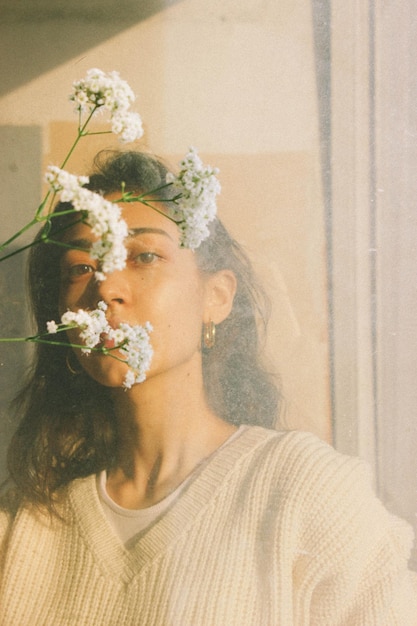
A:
x,y
78,244
85,244
133,232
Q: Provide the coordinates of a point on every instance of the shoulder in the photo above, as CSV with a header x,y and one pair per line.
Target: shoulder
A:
x,y
15,509
334,497
292,457
10,501
323,488
19,518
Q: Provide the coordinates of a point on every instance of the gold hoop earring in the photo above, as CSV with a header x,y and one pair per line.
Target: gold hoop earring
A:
x,y
70,368
209,334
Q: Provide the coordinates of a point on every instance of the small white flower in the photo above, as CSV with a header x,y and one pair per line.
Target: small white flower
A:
x,y
127,125
91,323
99,276
130,379
118,336
52,327
197,207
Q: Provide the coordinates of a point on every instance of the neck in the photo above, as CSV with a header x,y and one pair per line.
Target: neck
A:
x,y
166,428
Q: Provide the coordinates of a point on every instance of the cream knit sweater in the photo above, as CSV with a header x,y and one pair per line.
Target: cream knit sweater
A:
x,y
276,529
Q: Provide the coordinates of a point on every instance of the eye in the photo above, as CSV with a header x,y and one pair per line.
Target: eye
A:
x,y
146,258
80,269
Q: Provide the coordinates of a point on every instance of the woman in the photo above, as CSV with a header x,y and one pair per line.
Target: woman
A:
x,y
170,503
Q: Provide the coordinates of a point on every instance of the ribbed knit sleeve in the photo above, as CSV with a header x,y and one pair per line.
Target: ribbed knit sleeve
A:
x,y
8,506
4,525
351,569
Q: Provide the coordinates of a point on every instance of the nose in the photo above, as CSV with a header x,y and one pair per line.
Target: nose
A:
x,y
114,289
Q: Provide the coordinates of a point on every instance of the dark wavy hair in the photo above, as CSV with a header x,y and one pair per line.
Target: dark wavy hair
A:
x,y
68,427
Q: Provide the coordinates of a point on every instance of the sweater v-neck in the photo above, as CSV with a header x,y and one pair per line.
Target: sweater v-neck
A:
x,y
124,564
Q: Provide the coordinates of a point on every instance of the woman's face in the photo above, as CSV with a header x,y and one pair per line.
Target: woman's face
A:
x,y
160,284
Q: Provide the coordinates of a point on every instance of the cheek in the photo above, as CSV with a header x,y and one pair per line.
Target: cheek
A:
x,y
179,319
64,301
73,337
72,297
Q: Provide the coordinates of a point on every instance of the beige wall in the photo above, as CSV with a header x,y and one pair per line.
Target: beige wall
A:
x,y
237,81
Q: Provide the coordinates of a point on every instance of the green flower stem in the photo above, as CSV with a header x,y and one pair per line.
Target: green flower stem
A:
x,y
51,216
39,210
98,132
148,193
18,234
21,249
129,197
38,215
36,220
51,342
46,239
38,339
81,133
175,220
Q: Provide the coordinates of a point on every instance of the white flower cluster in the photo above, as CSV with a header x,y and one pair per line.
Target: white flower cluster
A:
x,y
197,207
132,342
101,89
103,216
92,324
110,92
127,125
136,348
64,182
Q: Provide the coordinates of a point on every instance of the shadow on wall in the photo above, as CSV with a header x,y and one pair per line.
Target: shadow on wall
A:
x,y
14,357
20,193
38,26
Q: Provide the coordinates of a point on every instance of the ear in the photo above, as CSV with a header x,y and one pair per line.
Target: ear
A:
x,y
220,293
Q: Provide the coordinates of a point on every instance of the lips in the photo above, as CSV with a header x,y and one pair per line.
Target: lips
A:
x,y
105,340
107,343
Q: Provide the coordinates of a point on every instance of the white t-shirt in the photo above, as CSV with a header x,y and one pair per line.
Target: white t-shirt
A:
x,y
128,523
